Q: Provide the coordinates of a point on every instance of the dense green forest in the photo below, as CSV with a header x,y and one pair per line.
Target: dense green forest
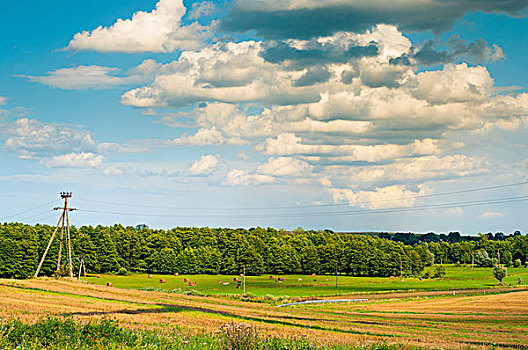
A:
x,y
225,251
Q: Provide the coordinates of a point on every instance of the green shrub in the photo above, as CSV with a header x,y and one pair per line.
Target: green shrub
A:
x,y
500,272
122,271
439,271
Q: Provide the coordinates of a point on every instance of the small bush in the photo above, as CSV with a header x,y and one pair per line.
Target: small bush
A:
x,y
122,271
517,263
439,271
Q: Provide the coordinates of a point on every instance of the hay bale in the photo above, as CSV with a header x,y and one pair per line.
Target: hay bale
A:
x,y
185,280
98,276
241,275
271,277
235,279
299,279
313,274
192,283
149,276
161,280
176,274
391,277
109,284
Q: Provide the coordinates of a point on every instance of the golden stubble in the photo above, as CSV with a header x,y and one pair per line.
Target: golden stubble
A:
x,y
457,322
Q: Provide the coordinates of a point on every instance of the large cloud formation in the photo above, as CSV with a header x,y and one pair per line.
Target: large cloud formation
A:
x,y
327,93
337,110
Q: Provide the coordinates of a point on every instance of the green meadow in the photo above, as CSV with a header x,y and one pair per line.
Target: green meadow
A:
x,y
456,278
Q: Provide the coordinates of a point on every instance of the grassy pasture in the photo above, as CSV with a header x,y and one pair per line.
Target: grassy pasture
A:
x,y
487,321
456,278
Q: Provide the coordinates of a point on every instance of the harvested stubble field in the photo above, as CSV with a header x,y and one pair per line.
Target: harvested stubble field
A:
x,y
425,319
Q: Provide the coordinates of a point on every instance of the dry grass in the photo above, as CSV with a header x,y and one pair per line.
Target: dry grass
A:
x,y
422,319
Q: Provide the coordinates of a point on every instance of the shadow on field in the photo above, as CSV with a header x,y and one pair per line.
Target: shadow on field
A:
x,y
162,308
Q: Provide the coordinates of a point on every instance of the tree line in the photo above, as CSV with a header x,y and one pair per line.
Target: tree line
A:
x,y
226,251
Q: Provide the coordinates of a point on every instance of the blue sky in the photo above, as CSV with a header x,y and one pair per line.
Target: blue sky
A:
x,y
322,114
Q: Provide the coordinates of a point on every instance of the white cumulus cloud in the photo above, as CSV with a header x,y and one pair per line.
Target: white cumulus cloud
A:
x,y
157,31
243,178
205,165
380,198
74,160
285,166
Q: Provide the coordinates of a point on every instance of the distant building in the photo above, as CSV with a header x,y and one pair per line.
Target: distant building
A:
x,y
141,226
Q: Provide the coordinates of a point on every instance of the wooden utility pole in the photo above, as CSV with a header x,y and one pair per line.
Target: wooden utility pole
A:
x,y
336,275
244,279
472,259
82,265
498,255
65,221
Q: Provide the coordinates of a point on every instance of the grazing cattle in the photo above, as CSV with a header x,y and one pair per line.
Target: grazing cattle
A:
x,y
185,280
192,283
161,280
109,284
271,277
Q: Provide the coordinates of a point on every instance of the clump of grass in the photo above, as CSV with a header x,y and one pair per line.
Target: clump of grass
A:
x,y
238,336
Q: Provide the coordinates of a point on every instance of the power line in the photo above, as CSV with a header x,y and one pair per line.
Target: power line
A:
x,y
310,206
28,210
44,218
338,213
32,216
